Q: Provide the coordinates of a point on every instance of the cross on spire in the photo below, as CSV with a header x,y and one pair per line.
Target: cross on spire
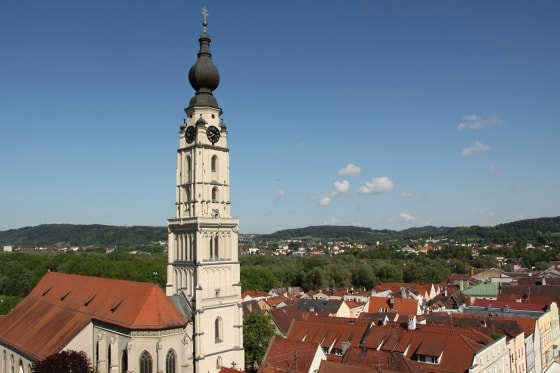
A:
x,y
204,20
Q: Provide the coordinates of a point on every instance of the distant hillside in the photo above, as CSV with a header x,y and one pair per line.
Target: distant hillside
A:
x,y
539,230
529,229
82,235
330,232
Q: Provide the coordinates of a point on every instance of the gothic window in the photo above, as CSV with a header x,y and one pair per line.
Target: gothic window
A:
x,y
214,163
189,168
215,194
214,253
124,361
218,329
170,362
109,358
219,362
145,362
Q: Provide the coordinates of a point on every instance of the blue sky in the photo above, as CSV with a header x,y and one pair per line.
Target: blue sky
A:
x,y
382,114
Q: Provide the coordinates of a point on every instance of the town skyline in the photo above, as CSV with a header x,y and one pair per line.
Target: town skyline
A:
x,y
381,115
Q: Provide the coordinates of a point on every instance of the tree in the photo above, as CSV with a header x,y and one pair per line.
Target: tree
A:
x,y
258,331
67,361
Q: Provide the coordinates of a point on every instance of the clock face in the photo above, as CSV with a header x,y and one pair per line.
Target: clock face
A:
x,y
213,134
190,134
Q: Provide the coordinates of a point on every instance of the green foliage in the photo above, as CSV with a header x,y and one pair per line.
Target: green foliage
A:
x,y
257,278
64,361
258,331
20,272
7,303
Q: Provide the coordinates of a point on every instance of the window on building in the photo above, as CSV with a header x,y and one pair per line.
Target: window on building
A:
x,y
214,163
124,361
218,329
145,362
215,194
170,362
219,362
109,358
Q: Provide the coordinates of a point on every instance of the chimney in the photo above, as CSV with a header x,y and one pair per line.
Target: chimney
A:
x,y
345,346
412,322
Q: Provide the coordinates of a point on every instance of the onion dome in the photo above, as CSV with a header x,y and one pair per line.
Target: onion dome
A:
x,y
203,75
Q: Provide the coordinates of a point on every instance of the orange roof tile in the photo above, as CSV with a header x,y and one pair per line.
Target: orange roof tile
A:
x,y
34,326
288,355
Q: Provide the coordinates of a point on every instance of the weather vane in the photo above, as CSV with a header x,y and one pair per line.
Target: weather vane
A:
x,y
204,20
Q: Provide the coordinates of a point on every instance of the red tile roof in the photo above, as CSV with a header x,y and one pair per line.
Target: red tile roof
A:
x,y
330,332
72,301
456,349
284,355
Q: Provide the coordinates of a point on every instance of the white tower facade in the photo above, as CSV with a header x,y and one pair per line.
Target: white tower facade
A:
x,y
203,268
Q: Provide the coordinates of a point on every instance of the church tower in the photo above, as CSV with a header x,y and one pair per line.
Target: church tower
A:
x,y
203,271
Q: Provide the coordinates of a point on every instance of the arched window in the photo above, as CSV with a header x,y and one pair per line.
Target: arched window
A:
x,y
109,358
124,361
219,362
218,329
145,362
170,361
214,163
189,168
215,194
214,252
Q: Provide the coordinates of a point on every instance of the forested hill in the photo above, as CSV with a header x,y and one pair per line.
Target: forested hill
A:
x,y
529,229
82,235
536,230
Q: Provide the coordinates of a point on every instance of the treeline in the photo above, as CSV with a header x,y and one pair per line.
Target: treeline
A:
x,y
20,272
539,231
94,235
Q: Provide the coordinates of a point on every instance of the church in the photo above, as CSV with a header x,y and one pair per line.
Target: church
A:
x,y
196,324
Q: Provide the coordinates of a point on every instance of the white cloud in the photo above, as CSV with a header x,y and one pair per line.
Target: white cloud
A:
x,y
377,185
341,187
406,194
493,170
476,148
325,200
474,122
349,170
407,217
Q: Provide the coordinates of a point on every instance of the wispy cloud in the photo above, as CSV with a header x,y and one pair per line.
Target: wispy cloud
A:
x,y
406,194
279,195
349,170
340,188
377,185
407,217
474,122
476,148
493,169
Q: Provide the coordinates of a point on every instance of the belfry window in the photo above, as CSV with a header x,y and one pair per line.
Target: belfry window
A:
x,y
218,329
214,163
215,194
214,252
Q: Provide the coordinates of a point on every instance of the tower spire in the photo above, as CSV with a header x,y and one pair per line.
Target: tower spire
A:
x,y
203,75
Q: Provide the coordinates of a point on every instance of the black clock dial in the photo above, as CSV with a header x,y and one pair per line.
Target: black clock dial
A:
x,y
190,134
213,134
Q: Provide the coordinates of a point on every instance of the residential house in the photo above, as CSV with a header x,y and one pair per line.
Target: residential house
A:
x,y
288,355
